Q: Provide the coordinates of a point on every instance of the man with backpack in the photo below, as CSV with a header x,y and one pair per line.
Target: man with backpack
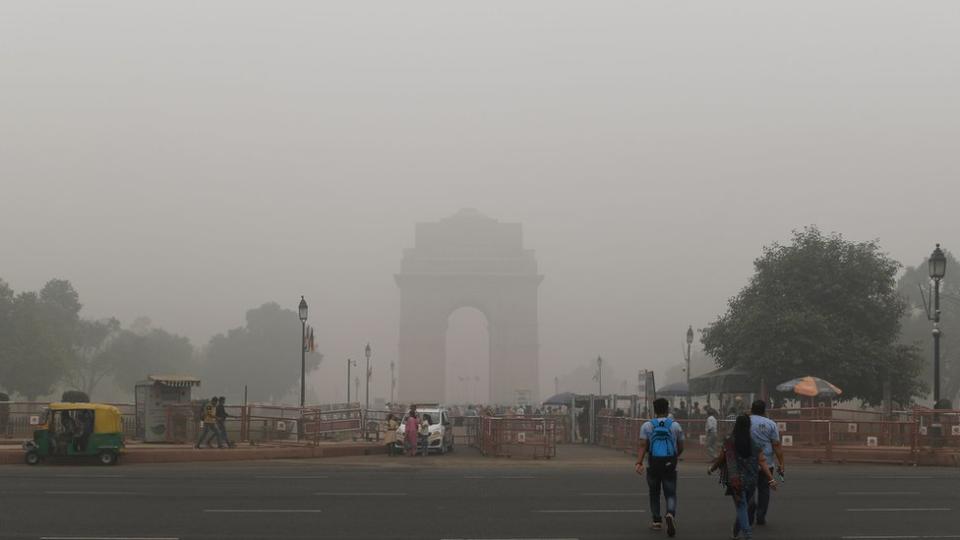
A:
x,y
661,441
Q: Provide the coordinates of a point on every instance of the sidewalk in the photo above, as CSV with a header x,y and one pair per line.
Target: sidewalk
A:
x,y
137,452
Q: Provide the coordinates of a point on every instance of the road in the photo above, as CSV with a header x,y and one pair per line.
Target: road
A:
x,y
587,493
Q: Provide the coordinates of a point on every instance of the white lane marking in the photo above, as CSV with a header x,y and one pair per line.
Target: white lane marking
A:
x,y
592,511
278,477
536,538
87,476
611,494
901,477
109,538
898,509
260,511
359,494
890,537
878,493
508,477
123,493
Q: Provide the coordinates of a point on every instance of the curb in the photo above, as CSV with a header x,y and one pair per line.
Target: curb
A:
x,y
190,455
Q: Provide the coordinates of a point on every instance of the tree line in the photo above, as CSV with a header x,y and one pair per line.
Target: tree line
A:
x,y
47,344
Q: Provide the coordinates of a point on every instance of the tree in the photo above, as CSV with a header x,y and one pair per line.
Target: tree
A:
x,y
133,356
91,361
264,355
35,345
917,328
821,306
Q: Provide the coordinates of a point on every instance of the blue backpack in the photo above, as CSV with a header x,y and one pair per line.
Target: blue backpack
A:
x,y
661,441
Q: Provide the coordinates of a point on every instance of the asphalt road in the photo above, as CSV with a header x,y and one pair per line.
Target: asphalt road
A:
x,y
586,494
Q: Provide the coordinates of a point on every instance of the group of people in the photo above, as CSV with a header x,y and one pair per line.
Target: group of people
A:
x,y
746,465
416,433
214,418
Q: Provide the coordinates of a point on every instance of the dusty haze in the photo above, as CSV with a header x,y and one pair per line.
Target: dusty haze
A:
x,y
189,161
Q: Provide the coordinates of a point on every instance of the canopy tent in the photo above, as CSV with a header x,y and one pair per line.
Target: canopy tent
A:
x,y
731,380
675,389
563,398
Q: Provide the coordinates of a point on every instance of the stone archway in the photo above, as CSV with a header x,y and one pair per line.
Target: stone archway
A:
x,y
469,260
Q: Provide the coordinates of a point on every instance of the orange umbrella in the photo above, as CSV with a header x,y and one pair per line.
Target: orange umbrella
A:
x,y
810,387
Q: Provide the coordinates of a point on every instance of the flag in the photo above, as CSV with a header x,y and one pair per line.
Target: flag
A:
x,y
313,344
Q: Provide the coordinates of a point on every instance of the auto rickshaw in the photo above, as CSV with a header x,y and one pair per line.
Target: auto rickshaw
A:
x,y
77,430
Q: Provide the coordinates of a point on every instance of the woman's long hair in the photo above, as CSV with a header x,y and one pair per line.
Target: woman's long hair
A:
x,y
741,436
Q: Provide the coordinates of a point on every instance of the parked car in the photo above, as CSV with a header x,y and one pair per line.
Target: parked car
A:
x,y
441,429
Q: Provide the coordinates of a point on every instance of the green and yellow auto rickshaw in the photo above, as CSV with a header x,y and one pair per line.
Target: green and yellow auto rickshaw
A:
x,y
77,430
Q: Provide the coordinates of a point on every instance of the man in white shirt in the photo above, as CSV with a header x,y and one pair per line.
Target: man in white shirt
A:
x,y
711,431
765,433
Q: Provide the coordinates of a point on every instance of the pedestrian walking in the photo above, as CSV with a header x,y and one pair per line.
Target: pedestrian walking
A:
x,y
765,433
423,436
741,463
390,437
209,425
222,416
410,429
710,427
661,442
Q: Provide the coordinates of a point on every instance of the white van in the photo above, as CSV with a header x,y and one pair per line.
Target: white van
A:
x,y
441,429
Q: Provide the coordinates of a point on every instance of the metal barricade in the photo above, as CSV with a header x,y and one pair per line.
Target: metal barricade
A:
x,y
518,437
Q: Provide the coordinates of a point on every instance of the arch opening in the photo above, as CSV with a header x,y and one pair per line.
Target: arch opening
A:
x,y
467,354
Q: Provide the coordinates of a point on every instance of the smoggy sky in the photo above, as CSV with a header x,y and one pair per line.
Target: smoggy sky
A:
x,y
187,161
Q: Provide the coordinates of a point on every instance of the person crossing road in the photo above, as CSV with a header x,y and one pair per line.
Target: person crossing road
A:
x,y
661,442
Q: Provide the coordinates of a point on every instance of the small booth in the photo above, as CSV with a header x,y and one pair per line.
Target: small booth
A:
x,y
164,408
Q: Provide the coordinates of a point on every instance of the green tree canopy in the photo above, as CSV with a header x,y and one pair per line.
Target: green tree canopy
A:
x,y
151,351
36,337
917,328
264,355
91,361
821,306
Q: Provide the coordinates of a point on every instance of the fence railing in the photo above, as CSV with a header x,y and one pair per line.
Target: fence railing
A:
x,y
924,429
181,422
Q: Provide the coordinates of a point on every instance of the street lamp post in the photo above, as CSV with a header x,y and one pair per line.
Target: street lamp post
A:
x,y
393,381
599,376
689,342
938,268
303,350
367,406
354,364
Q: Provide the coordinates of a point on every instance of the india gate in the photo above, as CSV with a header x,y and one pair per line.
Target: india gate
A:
x,y
468,260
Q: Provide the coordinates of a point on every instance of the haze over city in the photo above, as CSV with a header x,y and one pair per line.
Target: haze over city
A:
x,y
188,162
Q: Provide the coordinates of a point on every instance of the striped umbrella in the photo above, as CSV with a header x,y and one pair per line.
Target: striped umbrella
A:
x,y
810,387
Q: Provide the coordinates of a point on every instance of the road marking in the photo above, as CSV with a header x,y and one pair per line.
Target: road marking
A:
x,y
277,477
890,537
364,494
260,511
123,493
87,476
901,477
508,477
536,538
898,509
878,493
611,494
109,538
589,511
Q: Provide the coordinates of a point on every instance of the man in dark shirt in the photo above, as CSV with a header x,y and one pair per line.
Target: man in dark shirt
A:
x,y
222,420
